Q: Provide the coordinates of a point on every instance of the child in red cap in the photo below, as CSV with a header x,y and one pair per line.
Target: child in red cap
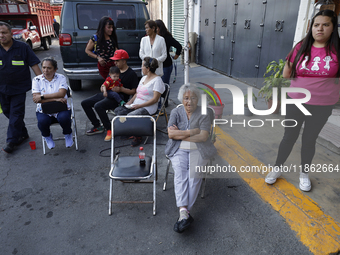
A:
x,y
110,82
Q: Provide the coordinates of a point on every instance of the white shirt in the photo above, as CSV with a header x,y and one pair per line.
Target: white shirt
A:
x,y
157,51
41,85
145,92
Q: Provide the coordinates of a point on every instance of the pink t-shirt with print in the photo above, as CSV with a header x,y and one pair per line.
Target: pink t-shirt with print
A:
x,y
318,77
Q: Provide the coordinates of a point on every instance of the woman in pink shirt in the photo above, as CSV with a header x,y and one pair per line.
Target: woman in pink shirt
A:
x,y
313,65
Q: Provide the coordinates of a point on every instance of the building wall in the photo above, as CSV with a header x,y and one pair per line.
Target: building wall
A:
x,y
155,9
239,38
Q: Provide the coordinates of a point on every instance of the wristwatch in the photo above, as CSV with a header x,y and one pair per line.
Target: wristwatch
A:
x,y
42,97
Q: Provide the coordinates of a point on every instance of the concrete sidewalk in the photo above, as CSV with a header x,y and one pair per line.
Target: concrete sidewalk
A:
x,y
259,146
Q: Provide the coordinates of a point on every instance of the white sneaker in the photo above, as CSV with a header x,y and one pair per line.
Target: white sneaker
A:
x,y
273,175
68,140
49,141
305,183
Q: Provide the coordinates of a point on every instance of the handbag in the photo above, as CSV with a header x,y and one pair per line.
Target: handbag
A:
x,y
53,107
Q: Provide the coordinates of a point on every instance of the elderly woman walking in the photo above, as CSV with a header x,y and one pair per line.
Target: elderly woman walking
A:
x,y
188,146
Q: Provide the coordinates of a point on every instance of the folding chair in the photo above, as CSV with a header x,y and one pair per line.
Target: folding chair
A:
x,y
165,95
162,111
73,119
211,114
128,168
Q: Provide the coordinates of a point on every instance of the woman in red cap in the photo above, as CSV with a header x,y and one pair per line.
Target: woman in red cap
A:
x,y
103,45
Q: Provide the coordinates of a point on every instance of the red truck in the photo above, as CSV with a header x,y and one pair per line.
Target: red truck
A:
x,y
31,21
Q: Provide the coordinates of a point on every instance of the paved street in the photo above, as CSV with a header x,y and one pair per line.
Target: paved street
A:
x,y
58,203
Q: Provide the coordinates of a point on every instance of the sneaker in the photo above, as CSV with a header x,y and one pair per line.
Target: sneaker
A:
x,y
49,141
122,103
22,139
108,136
305,183
137,140
273,175
9,147
68,140
95,130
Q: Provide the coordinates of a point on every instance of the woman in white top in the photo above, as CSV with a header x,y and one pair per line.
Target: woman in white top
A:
x,y
153,46
149,90
49,87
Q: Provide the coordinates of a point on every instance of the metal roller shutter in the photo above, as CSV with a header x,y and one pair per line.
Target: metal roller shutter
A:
x,y
177,20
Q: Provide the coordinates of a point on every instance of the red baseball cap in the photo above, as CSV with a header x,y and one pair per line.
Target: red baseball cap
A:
x,y
120,54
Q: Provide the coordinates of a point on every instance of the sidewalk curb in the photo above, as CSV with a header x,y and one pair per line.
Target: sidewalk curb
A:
x,y
316,230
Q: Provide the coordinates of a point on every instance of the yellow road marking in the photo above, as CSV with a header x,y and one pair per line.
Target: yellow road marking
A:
x,y
316,230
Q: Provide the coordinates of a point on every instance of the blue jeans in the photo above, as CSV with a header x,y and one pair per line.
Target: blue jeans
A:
x,y
114,95
166,79
45,121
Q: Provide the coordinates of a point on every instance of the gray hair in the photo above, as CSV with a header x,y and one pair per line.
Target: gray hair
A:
x,y
7,25
188,88
53,62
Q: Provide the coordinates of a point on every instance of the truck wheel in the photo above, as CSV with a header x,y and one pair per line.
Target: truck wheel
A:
x,y
75,84
44,43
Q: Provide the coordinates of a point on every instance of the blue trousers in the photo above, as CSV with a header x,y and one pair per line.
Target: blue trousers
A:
x,y
13,107
45,121
166,79
114,95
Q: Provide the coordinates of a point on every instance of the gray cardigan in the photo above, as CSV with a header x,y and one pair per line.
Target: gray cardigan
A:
x,y
179,118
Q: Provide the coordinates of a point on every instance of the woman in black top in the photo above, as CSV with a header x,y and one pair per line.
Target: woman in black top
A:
x,y
169,41
103,45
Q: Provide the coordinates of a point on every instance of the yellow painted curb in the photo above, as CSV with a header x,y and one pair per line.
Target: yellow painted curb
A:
x,y
318,231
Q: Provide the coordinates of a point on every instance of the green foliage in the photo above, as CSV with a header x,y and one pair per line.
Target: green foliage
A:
x,y
273,79
246,99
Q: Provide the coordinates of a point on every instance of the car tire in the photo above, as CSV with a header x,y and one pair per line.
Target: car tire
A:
x,y
45,43
75,85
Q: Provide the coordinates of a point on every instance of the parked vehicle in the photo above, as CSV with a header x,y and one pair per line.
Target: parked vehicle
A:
x,y
79,21
31,22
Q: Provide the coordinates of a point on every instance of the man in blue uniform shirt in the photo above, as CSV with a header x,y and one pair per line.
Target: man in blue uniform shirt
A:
x,y
15,80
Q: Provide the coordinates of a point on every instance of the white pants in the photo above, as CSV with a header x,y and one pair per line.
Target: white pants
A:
x,y
186,187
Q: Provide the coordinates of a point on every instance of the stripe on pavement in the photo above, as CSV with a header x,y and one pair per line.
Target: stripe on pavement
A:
x,y
316,230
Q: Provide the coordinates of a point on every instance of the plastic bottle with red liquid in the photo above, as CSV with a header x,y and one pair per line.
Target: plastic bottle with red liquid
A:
x,y
141,156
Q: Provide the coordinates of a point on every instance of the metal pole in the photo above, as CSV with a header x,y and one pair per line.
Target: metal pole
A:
x,y
186,41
